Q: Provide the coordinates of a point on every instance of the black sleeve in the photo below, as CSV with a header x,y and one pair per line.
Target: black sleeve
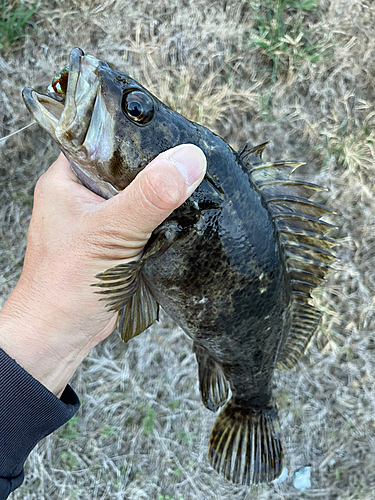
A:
x,y
28,413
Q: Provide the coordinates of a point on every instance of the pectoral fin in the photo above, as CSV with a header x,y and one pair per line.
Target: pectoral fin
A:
x,y
126,289
140,312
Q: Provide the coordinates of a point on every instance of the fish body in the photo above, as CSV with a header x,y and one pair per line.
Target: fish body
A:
x,y
223,280
233,266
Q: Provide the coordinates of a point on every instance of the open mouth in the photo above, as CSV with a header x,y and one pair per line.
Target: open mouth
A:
x,y
68,122
77,120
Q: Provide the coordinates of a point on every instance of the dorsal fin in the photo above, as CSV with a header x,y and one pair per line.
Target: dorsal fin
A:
x,y
302,236
251,153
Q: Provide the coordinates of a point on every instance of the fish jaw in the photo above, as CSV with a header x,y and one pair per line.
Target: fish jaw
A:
x,y
81,126
45,110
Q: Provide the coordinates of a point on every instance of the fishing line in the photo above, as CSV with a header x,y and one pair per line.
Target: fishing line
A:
x,y
3,139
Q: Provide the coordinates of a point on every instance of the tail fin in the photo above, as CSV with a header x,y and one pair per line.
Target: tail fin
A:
x,y
245,445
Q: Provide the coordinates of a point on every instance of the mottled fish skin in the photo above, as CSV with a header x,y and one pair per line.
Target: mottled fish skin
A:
x,y
223,280
217,265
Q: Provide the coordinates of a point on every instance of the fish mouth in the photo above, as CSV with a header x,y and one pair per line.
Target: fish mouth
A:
x,y
80,124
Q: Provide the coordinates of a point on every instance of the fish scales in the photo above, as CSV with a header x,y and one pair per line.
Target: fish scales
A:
x,y
234,266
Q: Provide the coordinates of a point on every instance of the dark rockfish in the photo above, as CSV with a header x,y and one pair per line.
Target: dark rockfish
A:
x,y
234,266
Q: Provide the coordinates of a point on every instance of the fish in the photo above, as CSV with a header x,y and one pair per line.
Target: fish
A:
x,y
234,265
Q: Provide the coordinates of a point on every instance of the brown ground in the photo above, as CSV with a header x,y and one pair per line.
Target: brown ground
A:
x,y
307,84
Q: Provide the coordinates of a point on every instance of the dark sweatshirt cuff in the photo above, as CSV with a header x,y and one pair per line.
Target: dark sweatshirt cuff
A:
x,y
28,413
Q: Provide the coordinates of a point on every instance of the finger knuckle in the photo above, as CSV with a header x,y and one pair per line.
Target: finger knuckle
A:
x,y
41,186
163,192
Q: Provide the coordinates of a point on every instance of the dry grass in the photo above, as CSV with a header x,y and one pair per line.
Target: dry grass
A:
x,y
142,431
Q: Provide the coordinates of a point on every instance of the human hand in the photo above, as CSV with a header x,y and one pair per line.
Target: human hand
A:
x,y
53,318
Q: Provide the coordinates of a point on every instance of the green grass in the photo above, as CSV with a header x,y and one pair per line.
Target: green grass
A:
x,y
148,421
174,405
13,20
68,460
282,37
108,430
69,430
184,437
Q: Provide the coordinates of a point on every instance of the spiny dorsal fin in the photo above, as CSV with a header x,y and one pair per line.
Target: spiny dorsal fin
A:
x,y
251,153
302,237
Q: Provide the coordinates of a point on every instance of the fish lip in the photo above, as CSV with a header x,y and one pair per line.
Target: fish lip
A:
x,y
69,122
35,101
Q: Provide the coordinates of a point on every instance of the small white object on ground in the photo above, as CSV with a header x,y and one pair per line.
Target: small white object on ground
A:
x,y
301,479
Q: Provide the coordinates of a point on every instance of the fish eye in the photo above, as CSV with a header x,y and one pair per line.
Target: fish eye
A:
x,y
138,106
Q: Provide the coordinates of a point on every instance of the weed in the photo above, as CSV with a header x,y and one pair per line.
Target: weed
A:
x,y
177,472
354,150
148,421
174,405
69,431
284,399
68,459
108,431
184,437
280,38
25,198
13,20
266,106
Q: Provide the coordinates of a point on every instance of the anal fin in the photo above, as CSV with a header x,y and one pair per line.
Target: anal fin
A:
x,y
213,385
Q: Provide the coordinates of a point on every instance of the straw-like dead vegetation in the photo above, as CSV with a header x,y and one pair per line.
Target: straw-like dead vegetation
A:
x,y
298,73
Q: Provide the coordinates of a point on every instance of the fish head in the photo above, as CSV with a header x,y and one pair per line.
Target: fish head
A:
x,y
106,124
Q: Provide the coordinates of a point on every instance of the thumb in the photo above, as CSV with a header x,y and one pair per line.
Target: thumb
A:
x,y
157,190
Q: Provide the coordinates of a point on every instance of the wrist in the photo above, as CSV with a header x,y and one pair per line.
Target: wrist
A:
x,y
32,337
